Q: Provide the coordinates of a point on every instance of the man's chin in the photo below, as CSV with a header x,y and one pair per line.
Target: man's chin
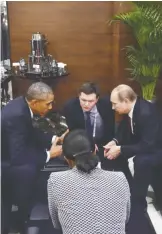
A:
x,y
43,114
118,112
86,109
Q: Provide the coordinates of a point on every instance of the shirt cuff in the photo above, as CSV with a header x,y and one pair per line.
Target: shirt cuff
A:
x,y
53,139
48,156
115,141
98,165
48,153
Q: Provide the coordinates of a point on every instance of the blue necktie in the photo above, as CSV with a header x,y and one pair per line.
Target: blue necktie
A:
x,y
89,127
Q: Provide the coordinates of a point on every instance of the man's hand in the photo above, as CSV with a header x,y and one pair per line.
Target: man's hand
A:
x,y
113,152
108,146
61,138
96,148
56,150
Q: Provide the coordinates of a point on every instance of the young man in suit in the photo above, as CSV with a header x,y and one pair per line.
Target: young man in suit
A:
x,y
137,136
91,112
25,148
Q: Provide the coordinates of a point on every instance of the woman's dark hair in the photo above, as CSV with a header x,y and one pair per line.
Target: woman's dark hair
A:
x,y
78,147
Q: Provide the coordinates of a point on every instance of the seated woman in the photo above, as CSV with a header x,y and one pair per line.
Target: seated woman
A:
x,y
87,199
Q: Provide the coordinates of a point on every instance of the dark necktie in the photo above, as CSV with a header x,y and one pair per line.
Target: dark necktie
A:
x,y
129,125
88,125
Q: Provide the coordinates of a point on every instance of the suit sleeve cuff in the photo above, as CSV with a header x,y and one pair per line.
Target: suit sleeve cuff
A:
x,y
121,151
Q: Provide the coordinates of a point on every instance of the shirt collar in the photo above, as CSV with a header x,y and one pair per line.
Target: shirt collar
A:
x,y
31,112
93,110
130,114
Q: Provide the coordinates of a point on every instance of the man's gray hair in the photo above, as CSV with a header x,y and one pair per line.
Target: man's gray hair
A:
x,y
38,91
124,91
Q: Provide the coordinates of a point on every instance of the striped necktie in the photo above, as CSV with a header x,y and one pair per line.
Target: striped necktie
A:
x,y
88,125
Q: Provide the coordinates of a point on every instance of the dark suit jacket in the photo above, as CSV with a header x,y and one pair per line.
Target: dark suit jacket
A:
x,y
158,106
146,130
21,143
75,117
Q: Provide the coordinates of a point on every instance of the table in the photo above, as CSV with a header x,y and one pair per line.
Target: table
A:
x,y
5,97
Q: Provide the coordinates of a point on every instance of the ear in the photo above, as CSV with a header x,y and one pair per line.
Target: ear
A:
x,y
33,102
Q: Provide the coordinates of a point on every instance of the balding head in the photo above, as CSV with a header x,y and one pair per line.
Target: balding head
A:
x,y
124,91
123,98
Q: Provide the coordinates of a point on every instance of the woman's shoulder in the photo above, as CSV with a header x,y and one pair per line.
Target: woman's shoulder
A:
x,y
59,174
115,175
70,175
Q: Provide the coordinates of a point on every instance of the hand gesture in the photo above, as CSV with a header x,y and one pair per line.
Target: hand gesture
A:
x,y
61,138
96,148
113,152
108,146
56,150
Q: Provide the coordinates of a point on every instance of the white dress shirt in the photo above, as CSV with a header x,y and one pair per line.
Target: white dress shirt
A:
x,y
53,139
130,114
96,122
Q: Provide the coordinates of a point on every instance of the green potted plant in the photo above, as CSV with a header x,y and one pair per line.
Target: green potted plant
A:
x,y
145,57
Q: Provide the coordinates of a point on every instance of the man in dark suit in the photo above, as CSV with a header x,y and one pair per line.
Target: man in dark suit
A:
x,y
25,148
138,135
156,182
95,114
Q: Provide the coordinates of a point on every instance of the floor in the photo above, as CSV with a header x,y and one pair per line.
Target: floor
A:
x,y
154,214
155,224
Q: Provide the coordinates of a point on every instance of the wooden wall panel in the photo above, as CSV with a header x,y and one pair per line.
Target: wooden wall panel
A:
x,y
78,35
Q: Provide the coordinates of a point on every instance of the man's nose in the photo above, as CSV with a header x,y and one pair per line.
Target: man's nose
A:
x,y
86,103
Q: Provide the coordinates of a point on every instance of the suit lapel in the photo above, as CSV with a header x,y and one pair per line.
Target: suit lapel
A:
x,y
27,110
135,115
100,109
80,114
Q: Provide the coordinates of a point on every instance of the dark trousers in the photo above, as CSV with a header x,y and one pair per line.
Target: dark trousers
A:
x,y
22,183
5,197
156,183
144,169
119,164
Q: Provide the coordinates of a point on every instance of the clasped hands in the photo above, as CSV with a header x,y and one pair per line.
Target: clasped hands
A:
x,y
111,150
56,148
